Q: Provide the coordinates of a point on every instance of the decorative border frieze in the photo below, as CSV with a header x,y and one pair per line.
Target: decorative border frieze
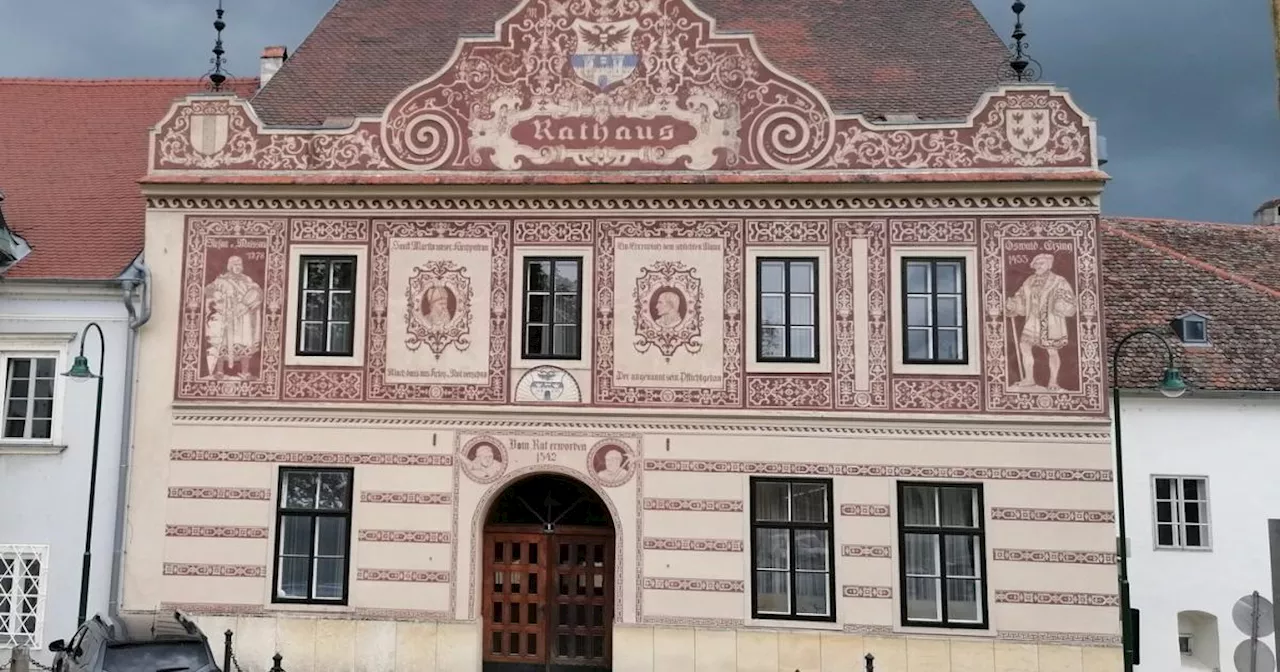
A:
x,y
865,510
407,536
933,231
200,492
699,505
886,204
214,570
806,392
311,457
1057,599
1053,515
1062,638
867,592
404,575
873,630
848,394
216,531
937,395
554,231
394,497
323,384
865,551
881,470
679,544
692,622
693,585
1052,556
783,231
328,230
352,614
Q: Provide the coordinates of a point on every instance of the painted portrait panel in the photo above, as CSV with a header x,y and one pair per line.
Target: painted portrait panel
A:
x,y
611,463
483,459
1041,308
234,308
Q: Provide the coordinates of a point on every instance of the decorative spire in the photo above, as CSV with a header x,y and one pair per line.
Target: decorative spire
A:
x,y
217,76
1020,68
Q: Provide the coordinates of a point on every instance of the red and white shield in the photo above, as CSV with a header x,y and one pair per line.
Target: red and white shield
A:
x,y
208,133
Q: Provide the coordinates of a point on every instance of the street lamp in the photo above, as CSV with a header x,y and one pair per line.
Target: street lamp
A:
x,y
1172,386
80,371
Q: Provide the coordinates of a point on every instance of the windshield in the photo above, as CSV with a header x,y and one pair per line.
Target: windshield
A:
x,y
156,656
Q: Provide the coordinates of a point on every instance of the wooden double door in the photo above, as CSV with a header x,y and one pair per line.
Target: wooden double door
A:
x,y
548,599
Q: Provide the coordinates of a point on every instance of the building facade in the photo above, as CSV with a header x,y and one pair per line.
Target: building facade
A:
x,y
611,345
1200,510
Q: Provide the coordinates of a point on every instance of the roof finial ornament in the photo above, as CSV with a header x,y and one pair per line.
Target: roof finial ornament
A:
x,y
1020,68
217,76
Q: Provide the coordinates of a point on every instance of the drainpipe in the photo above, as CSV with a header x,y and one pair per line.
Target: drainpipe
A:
x,y
136,320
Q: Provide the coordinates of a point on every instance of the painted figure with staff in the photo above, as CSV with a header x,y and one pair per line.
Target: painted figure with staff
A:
x,y
1044,301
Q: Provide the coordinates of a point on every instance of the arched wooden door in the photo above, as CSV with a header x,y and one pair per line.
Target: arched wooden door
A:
x,y
548,579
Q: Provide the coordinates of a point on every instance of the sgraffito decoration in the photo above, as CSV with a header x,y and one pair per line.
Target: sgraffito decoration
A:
x,y
668,304
438,314
628,85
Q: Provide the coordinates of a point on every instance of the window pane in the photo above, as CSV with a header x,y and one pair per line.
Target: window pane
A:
x,y
773,309
44,388
771,276
802,277
17,408
802,310
334,487
809,502
1193,488
1194,330
948,277
45,367
567,276
918,506
1194,537
1164,488
314,306
300,489
811,594
340,337
1164,534
949,345
962,600
567,309
344,275
539,277
342,307
773,592
948,311
293,577
313,337
921,554
43,409
957,505
771,501
317,275
1191,512
41,429
539,309
773,342
329,573
537,341
917,277
331,536
20,368
15,429
1164,512
922,600
918,311
771,549
566,343
811,550
802,342
962,556
295,535
19,388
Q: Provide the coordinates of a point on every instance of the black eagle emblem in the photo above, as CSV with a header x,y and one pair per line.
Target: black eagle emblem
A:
x,y
604,38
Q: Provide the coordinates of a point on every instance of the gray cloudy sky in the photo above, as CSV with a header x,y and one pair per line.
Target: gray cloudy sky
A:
x,y
1184,90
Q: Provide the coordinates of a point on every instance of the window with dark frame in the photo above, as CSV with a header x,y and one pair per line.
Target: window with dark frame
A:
x,y
553,308
1182,512
787,309
934,304
313,535
327,306
792,549
941,550
28,397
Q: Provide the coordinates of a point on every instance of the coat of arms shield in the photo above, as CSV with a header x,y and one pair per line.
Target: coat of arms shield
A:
x,y
208,133
604,55
1027,128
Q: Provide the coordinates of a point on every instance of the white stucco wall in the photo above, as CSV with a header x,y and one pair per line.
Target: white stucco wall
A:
x,y
45,496
1235,443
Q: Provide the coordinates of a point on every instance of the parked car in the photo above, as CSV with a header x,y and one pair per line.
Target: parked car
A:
x,y
135,643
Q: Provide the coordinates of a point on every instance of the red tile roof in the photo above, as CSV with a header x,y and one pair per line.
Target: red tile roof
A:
x,y
1156,270
71,153
934,58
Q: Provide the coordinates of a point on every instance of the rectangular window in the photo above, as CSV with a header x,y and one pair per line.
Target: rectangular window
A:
x,y
792,549
941,553
933,295
553,308
787,310
313,535
22,594
28,397
327,306
1182,512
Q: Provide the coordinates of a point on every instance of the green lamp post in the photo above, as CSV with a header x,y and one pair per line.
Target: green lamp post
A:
x,y
1172,386
80,371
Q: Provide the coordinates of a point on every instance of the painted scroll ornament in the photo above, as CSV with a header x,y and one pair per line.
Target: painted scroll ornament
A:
x,y
438,311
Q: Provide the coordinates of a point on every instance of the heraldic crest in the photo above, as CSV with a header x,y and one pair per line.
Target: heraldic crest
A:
x,y
668,302
438,313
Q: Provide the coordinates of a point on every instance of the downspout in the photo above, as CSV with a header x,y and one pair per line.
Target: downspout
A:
x,y
136,320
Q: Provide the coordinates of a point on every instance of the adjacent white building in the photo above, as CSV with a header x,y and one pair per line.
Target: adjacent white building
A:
x,y
1200,471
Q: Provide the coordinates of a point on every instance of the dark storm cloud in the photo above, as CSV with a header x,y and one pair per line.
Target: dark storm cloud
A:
x,y
1184,90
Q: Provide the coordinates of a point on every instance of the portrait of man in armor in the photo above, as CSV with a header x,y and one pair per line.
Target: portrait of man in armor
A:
x,y
233,327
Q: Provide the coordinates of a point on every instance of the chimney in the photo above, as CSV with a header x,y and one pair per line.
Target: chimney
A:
x,y
1268,214
272,59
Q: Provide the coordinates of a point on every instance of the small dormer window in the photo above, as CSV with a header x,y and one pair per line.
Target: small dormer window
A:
x,y
1192,328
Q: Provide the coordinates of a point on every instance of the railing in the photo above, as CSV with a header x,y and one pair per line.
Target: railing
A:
x,y
230,664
